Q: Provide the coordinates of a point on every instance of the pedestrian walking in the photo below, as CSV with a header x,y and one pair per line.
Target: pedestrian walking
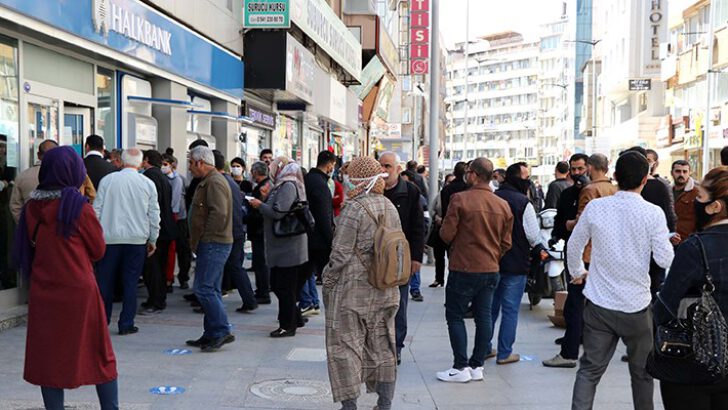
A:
x,y
254,222
558,185
96,166
687,274
67,344
515,264
360,330
287,256
320,201
27,181
211,238
625,231
406,198
439,247
155,267
234,264
128,210
478,228
684,191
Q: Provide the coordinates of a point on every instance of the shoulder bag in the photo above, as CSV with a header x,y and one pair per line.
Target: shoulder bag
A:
x,y
295,221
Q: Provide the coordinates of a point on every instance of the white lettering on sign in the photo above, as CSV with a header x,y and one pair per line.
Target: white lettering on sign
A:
x,y
130,25
655,20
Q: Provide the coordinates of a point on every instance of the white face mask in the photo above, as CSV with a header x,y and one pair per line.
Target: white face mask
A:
x,y
236,171
166,169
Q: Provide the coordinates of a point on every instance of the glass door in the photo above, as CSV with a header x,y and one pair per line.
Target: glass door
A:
x,y
42,123
76,126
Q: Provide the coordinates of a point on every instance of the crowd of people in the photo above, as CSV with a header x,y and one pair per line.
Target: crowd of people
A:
x,y
111,219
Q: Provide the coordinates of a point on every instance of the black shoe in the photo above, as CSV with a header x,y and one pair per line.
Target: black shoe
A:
x,y
559,340
170,289
246,309
195,303
282,333
263,300
417,297
184,285
625,358
303,322
129,331
216,344
146,305
399,359
190,297
198,310
435,284
203,341
151,311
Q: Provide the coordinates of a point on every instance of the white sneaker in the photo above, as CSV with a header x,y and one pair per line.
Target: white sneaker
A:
x,y
476,374
455,375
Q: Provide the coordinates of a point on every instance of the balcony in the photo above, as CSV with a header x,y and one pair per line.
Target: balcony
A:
x,y
692,63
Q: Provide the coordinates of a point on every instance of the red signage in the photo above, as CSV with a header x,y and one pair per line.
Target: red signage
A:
x,y
419,36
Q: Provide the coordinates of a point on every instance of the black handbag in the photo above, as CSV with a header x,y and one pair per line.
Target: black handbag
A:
x,y
296,221
692,350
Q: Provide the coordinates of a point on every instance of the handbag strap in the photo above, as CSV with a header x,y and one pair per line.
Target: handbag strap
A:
x,y
709,286
298,198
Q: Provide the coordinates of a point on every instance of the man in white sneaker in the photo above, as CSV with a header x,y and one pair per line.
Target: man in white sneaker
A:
x,y
478,228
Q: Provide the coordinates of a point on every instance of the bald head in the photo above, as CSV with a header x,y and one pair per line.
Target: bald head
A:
x,y
46,146
483,169
599,163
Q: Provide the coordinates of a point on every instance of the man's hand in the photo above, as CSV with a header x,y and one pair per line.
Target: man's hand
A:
x,y
264,191
255,203
416,267
151,248
579,280
570,224
544,255
675,239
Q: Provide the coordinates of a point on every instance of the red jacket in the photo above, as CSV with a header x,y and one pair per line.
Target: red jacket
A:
x,y
338,197
68,342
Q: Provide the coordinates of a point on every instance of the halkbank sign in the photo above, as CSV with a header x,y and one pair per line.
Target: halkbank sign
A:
x,y
108,15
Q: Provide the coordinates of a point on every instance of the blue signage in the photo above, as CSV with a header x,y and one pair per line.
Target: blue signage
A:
x,y
137,30
167,390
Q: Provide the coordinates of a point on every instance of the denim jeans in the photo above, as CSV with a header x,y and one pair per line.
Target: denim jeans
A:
x,y
400,321
126,262
211,258
463,289
108,394
507,300
309,294
414,283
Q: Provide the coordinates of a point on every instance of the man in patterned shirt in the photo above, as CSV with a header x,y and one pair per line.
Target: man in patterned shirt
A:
x,y
624,230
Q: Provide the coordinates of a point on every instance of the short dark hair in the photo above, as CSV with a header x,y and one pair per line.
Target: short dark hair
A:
x,y
724,156
239,161
649,151
680,162
579,157
265,151
95,143
500,171
513,172
197,143
631,170
562,167
599,162
44,147
412,165
421,169
153,157
636,149
219,160
459,170
325,157
167,157
483,168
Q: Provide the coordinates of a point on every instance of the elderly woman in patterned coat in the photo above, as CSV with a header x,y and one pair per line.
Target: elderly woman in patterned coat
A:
x,y
360,318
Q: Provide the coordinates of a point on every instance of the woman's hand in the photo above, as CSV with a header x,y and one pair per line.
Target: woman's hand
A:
x,y
255,203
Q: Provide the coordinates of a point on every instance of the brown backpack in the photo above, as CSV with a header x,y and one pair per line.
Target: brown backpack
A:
x,y
391,263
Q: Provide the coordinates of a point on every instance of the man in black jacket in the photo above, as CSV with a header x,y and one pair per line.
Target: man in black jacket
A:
x,y
406,198
155,272
254,222
419,180
96,166
558,185
457,185
320,202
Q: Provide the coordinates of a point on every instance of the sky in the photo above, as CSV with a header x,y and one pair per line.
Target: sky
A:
x,y
492,16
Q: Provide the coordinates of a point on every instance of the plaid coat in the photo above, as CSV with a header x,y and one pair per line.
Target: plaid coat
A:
x,y
360,339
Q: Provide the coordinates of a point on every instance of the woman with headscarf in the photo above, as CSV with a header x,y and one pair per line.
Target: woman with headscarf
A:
x,y
287,256
68,342
360,342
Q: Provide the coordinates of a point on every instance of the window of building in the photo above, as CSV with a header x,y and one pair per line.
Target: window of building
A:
x,y
106,98
9,140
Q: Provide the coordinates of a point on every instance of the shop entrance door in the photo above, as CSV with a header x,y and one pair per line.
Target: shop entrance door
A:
x,y
76,126
42,123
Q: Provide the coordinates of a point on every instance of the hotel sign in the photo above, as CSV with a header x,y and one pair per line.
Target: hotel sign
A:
x,y
654,31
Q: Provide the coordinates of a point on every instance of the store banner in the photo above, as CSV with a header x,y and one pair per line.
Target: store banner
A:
x,y
387,50
300,70
419,37
139,31
266,14
318,21
261,117
370,76
384,98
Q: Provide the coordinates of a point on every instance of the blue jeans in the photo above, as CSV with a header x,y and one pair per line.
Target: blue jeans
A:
x,y
309,294
415,283
127,261
211,258
108,394
507,300
400,320
463,289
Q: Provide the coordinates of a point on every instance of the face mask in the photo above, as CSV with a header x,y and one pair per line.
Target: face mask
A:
x,y
348,183
580,181
236,171
166,169
702,218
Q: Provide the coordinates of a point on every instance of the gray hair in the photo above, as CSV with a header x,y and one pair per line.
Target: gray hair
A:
x,y
204,154
397,159
599,162
132,157
259,168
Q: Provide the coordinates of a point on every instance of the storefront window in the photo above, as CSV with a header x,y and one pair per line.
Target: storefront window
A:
x,y
9,150
105,124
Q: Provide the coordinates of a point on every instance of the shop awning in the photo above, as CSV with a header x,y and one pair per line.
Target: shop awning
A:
x,y
160,101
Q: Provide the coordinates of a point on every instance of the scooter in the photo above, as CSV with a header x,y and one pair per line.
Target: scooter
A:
x,y
548,275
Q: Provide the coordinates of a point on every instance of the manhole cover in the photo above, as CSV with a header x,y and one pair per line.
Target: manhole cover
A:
x,y
310,391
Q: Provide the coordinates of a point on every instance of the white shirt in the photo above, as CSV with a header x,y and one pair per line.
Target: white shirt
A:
x,y
530,225
127,207
90,153
625,231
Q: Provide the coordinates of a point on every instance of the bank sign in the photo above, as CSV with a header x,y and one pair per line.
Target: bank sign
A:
x,y
266,14
136,30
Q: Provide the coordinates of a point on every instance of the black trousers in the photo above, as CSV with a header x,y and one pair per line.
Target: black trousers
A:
x,y
238,275
184,254
680,397
287,283
318,259
155,276
440,250
260,267
574,317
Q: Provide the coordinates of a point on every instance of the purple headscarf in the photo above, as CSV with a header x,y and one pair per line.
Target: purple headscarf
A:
x,y
62,169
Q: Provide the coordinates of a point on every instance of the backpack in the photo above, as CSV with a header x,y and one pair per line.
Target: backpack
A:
x,y
391,263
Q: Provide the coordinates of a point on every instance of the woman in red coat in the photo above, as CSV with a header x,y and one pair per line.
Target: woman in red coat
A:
x,y
68,342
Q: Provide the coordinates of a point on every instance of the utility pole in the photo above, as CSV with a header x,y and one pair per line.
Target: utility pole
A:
x,y
435,99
